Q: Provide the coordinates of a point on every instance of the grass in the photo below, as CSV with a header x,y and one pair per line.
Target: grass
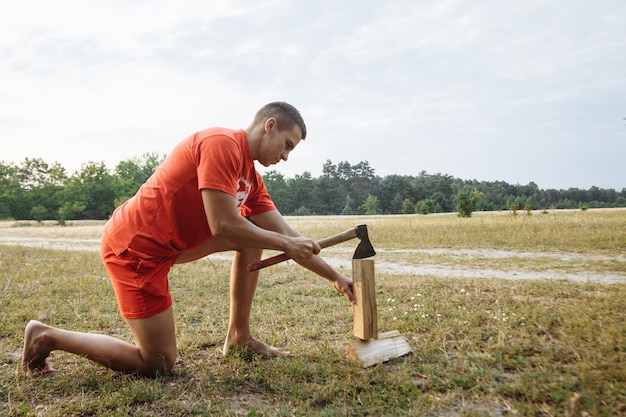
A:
x,y
590,232
481,346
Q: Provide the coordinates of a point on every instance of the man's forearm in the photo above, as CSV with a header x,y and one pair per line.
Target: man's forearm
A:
x,y
241,232
319,266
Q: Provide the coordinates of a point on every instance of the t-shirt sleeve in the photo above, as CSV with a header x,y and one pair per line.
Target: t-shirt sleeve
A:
x,y
259,202
218,163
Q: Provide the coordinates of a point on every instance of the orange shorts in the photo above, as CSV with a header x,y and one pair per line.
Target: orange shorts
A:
x,y
139,280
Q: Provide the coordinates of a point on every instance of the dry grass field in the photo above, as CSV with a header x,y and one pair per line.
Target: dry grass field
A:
x,y
507,315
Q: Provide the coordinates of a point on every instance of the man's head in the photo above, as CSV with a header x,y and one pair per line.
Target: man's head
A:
x,y
286,115
275,131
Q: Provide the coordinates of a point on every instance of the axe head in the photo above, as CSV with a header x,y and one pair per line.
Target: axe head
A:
x,y
364,248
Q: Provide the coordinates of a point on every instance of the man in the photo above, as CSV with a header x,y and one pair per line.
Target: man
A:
x,y
205,197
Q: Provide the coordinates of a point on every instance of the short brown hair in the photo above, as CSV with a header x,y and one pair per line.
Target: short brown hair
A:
x,y
285,114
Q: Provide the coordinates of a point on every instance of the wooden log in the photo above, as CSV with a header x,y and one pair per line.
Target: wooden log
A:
x,y
365,324
374,351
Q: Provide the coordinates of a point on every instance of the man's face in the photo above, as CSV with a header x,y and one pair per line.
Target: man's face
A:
x,y
277,144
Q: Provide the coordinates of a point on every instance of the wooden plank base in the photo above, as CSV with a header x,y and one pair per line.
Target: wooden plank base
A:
x,y
374,351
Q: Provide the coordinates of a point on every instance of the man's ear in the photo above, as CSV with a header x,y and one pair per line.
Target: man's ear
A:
x,y
270,124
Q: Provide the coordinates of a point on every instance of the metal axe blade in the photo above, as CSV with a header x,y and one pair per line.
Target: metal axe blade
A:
x,y
364,249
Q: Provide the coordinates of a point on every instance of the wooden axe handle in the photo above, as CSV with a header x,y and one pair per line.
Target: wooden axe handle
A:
x,y
324,243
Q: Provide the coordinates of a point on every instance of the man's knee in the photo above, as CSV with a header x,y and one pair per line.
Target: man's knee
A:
x,y
158,364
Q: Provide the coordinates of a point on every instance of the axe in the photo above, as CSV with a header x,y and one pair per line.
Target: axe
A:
x,y
363,250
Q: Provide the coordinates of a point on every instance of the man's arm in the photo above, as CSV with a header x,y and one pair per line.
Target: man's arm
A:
x,y
273,220
226,223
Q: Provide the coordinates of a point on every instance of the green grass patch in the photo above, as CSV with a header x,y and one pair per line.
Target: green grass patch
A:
x,y
481,346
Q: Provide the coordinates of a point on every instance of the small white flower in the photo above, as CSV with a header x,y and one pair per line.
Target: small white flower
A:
x,y
462,290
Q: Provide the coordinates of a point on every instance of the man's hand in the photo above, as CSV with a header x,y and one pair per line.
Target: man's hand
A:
x,y
302,251
302,248
344,285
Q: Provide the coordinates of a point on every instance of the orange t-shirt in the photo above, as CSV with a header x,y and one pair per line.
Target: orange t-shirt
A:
x,y
167,215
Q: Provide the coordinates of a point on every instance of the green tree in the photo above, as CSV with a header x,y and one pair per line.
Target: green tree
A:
x,y
437,187
40,186
73,210
466,202
48,196
38,213
302,192
395,206
302,211
427,206
35,172
94,188
10,191
277,188
407,207
393,190
343,179
331,189
370,205
130,174
347,209
127,177
359,179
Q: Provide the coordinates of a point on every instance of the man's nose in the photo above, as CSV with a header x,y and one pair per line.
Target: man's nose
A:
x,y
284,156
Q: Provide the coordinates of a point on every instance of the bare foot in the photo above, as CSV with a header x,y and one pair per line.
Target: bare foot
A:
x,y
36,349
255,345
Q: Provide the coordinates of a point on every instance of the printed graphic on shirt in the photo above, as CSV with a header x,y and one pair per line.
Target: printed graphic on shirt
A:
x,y
244,187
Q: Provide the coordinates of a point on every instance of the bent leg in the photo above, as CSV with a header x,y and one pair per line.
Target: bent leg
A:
x,y
242,287
156,342
155,351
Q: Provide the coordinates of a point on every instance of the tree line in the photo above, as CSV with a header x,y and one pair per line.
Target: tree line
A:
x,y
36,190
356,189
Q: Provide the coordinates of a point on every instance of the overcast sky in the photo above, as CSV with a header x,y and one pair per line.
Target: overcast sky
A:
x,y
517,91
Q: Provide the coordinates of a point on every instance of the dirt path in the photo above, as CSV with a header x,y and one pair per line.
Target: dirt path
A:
x,y
469,272
341,258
